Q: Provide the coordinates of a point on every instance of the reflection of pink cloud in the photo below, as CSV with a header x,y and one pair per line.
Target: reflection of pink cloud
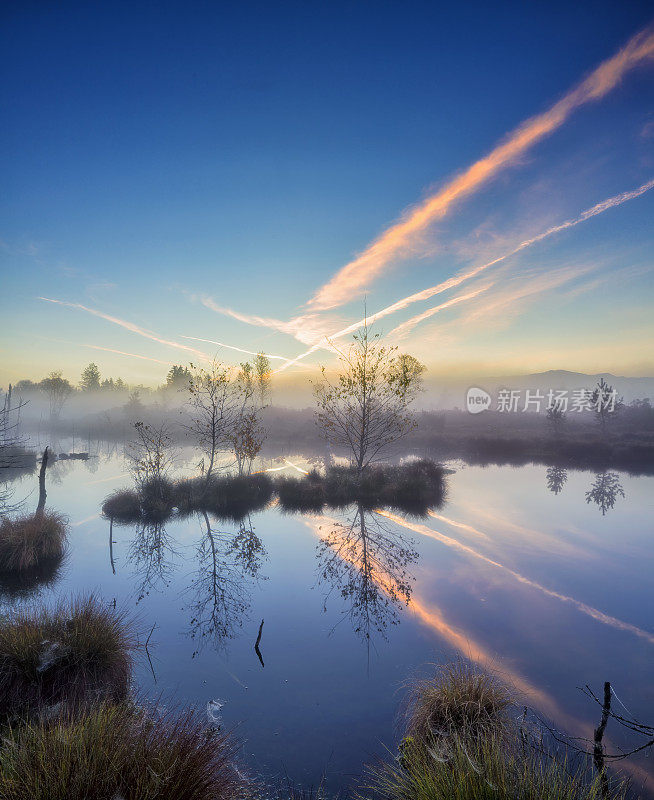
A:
x,y
402,238
590,611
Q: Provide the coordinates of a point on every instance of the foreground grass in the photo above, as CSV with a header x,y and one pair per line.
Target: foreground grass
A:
x,y
119,751
27,541
487,770
76,652
463,742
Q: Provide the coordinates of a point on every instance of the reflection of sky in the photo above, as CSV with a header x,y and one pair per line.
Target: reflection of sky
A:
x,y
317,705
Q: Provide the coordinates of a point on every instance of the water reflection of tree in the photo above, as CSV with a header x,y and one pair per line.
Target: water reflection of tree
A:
x,y
365,560
152,554
227,562
605,491
556,478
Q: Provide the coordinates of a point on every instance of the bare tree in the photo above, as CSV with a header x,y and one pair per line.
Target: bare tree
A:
x,y
248,434
367,407
262,375
149,454
57,390
215,403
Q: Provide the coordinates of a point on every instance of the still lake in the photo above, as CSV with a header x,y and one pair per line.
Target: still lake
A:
x,y
517,572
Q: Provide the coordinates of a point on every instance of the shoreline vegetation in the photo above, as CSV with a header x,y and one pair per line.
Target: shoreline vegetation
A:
x,y
414,488
73,728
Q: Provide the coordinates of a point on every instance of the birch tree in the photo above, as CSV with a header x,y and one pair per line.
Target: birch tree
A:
x,y
366,408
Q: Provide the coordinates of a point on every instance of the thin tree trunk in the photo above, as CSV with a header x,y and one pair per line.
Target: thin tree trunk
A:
x,y
42,492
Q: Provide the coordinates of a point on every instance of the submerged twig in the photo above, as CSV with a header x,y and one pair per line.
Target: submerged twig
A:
x,y
256,644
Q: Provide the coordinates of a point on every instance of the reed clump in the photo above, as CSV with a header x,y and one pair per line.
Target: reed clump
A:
x,y
78,651
120,751
28,540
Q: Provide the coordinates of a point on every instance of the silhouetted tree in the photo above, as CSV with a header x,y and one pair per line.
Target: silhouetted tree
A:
x,y
367,407
556,478
57,390
178,377
605,491
555,416
90,380
604,402
149,454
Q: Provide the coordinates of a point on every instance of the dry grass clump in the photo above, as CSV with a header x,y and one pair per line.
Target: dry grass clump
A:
x,y
487,769
78,651
460,701
463,743
26,541
118,751
123,505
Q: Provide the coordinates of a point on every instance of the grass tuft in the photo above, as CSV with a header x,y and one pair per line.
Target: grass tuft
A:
x,y
119,751
487,769
28,540
462,742
78,651
459,700
123,505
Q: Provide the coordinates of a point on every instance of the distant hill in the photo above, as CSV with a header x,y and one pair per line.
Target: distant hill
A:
x,y
451,393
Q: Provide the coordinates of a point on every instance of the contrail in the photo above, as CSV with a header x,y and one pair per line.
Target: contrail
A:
x,y
457,280
122,353
130,326
599,208
590,611
231,347
402,238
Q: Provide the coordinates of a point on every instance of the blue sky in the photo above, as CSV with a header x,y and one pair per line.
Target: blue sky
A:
x,y
163,160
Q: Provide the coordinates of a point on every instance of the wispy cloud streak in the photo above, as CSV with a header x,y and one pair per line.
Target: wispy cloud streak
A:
x,y
599,208
457,280
123,353
404,237
232,347
130,326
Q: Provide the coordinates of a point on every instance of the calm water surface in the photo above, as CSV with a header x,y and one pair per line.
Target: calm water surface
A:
x,y
538,584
